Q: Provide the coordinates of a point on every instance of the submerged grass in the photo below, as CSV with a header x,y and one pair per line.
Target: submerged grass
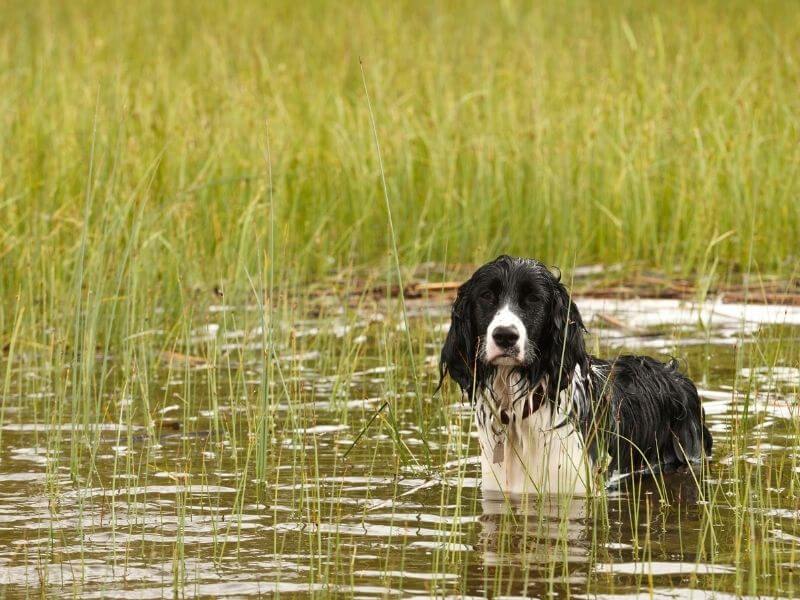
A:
x,y
185,387
179,479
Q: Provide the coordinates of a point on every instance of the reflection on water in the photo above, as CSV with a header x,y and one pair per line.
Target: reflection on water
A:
x,y
177,505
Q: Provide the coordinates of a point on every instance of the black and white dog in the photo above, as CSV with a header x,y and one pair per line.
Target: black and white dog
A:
x,y
550,416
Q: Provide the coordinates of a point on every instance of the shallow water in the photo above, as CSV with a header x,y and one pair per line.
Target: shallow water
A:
x,y
182,489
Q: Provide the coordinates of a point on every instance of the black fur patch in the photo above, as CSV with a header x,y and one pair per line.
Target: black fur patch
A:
x,y
642,412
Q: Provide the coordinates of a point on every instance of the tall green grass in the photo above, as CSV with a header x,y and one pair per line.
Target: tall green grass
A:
x,y
134,193
569,131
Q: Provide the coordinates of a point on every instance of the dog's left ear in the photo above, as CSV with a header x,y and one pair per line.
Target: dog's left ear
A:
x,y
568,348
459,352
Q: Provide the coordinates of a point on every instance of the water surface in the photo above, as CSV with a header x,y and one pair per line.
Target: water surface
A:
x,y
195,482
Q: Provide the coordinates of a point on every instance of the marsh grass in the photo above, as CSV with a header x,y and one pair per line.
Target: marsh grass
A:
x,y
161,330
603,133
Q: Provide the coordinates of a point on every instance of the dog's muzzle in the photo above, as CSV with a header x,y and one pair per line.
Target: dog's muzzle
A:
x,y
505,339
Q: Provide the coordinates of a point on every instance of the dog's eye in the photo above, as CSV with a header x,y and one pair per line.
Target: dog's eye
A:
x,y
488,295
531,299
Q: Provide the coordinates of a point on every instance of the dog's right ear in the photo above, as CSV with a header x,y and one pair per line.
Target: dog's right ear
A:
x,y
459,350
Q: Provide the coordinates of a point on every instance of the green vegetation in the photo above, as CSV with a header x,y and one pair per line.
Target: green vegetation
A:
x,y
576,132
176,179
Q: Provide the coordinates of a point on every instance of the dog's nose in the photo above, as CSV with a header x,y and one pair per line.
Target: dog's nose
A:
x,y
505,337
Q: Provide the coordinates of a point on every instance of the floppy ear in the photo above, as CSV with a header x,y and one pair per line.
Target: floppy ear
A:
x,y
568,348
458,353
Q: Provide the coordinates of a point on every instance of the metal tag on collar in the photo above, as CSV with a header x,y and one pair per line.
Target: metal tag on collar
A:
x,y
499,452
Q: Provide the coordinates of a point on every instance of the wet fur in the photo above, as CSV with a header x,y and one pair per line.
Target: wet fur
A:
x,y
630,414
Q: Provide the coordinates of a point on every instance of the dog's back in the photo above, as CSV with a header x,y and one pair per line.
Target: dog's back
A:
x,y
645,414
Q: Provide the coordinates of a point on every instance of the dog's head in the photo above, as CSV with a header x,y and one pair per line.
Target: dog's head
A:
x,y
514,313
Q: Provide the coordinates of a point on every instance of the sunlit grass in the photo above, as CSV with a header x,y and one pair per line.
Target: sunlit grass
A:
x,y
183,299
584,132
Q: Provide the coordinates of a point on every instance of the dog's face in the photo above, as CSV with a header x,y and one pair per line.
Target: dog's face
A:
x,y
513,313
508,305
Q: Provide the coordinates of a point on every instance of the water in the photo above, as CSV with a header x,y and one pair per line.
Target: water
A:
x,y
176,506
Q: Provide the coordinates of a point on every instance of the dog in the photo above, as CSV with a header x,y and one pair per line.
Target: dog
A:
x,y
551,418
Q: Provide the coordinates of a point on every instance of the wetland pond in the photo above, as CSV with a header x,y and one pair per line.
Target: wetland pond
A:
x,y
220,462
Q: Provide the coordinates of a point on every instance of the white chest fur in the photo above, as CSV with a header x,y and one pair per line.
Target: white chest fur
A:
x,y
530,455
